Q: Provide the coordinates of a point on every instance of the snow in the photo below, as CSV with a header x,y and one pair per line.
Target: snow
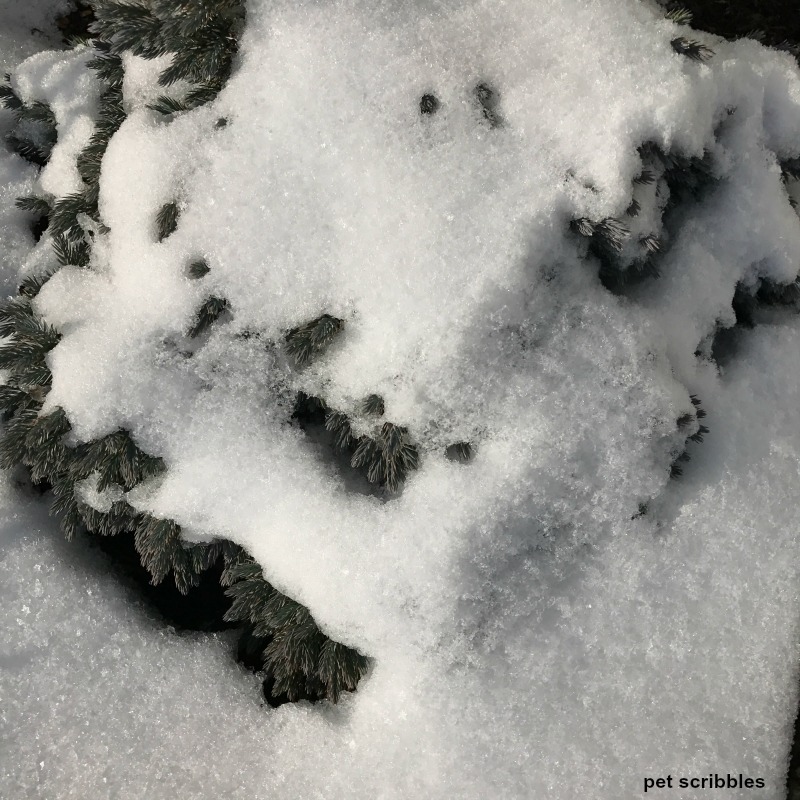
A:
x,y
72,92
24,30
532,634
16,180
652,655
99,697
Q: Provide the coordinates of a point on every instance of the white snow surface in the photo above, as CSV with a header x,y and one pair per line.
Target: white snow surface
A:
x,y
654,654
531,636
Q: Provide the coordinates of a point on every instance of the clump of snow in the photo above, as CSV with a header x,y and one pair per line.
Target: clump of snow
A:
x,y
533,633
70,89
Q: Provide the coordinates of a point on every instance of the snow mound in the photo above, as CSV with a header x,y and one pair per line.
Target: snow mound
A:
x,y
412,170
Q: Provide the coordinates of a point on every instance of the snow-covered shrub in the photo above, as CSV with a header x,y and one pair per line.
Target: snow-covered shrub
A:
x,y
382,302
301,661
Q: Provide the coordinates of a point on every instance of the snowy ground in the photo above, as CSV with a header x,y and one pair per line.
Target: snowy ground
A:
x,y
532,635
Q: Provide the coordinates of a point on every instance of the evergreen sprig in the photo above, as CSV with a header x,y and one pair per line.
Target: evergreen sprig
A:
x,y
651,243
203,58
687,420
30,151
28,343
129,27
311,339
40,208
679,15
13,446
211,310
120,519
309,409
35,205
107,66
610,233
167,220
116,459
199,95
71,253
159,545
8,97
11,398
109,69
338,423
462,452
692,49
387,457
299,659
44,450
168,105
35,132
201,35
687,177
373,405
198,269
64,219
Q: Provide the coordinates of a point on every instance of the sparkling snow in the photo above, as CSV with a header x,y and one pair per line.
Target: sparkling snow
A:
x,y
532,635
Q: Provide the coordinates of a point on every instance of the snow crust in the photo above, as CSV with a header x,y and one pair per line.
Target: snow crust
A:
x,y
533,635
